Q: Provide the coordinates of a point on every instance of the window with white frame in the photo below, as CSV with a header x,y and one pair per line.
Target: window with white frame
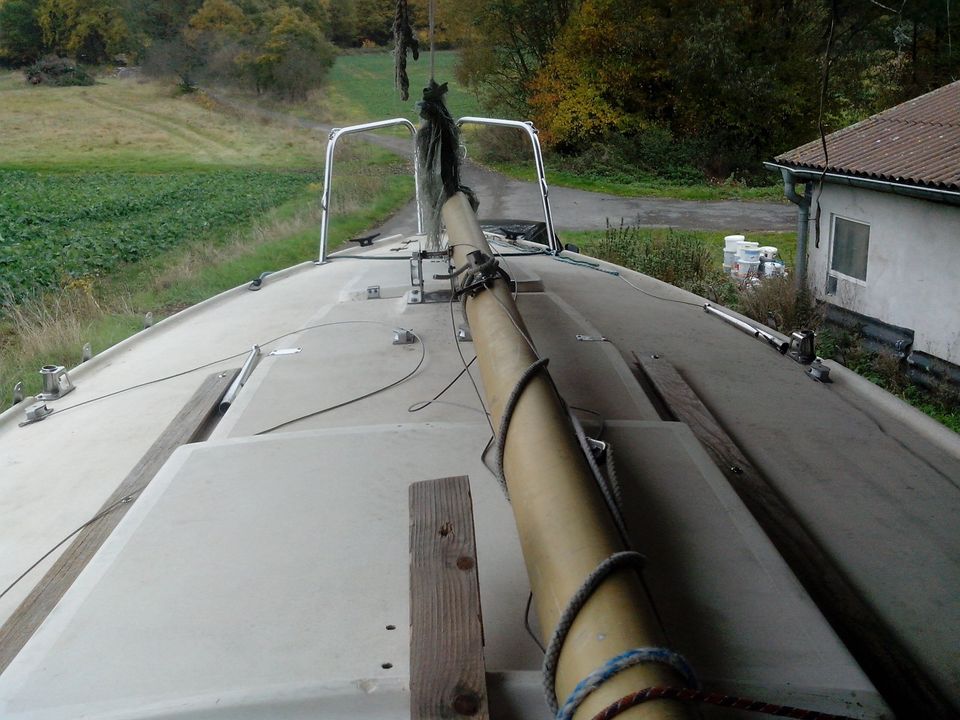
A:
x,y
849,249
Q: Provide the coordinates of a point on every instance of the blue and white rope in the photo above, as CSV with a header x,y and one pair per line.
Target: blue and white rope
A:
x,y
590,584
618,664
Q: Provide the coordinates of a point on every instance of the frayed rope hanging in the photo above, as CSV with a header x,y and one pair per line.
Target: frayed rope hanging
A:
x,y
405,40
438,153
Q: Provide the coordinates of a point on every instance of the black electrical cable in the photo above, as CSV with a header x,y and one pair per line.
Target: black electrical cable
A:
x,y
453,324
423,404
181,373
423,355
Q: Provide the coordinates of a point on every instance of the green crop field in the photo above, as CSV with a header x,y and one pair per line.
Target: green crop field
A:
x,y
127,197
57,227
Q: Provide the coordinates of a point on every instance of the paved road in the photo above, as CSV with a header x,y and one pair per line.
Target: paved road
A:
x,y
502,197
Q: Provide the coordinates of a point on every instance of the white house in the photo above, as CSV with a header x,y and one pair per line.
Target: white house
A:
x,y
880,222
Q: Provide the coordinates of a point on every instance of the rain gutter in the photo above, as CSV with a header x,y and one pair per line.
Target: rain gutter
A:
x,y
951,197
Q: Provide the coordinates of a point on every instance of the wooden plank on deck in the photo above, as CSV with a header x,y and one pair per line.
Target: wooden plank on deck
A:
x,y
184,428
876,647
447,672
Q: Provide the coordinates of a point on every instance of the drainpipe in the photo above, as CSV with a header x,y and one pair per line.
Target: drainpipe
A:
x,y
803,219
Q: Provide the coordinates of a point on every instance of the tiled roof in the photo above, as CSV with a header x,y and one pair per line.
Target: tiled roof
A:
x,y
915,143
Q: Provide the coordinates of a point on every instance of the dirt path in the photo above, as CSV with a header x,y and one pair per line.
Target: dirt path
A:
x,y
503,197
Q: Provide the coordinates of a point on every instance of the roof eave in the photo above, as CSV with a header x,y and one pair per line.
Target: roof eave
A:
x,y
808,174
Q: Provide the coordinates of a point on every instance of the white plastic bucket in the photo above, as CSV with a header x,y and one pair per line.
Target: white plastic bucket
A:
x,y
745,268
730,242
729,257
769,252
748,253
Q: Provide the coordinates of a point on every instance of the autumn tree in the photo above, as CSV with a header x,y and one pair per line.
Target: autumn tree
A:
x,y
375,20
157,20
608,71
344,26
504,45
92,31
294,55
21,38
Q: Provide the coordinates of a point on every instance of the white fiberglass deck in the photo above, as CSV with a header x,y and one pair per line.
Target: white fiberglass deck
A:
x,y
257,575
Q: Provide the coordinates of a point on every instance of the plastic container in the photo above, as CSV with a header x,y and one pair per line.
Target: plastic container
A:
x,y
729,257
748,253
746,268
730,242
769,252
773,268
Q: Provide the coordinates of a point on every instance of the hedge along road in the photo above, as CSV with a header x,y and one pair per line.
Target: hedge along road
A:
x,y
503,197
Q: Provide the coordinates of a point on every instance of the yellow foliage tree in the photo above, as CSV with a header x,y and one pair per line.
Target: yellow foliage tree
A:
x,y
90,30
607,61
220,16
294,55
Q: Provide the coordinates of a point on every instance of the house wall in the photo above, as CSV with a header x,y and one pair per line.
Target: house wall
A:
x,y
913,264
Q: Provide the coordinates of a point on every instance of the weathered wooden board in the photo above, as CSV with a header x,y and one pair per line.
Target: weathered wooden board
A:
x,y
184,428
447,672
881,654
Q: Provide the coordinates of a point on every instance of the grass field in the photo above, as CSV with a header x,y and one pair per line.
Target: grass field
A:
x,y
59,227
127,197
360,88
644,187
133,126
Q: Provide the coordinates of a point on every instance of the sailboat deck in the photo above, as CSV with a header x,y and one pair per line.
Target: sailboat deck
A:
x,y
257,574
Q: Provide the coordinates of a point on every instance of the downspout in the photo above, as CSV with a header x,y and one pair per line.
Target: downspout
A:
x,y
803,220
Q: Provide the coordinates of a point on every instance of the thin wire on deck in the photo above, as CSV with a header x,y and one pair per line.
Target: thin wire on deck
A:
x,y
616,273
424,404
181,373
103,513
358,398
466,367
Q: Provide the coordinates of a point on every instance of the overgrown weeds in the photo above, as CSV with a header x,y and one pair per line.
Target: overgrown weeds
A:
x,y
674,256
777,303
889,370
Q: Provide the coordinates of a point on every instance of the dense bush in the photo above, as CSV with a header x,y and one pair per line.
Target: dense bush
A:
x,y
652,152
59,72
